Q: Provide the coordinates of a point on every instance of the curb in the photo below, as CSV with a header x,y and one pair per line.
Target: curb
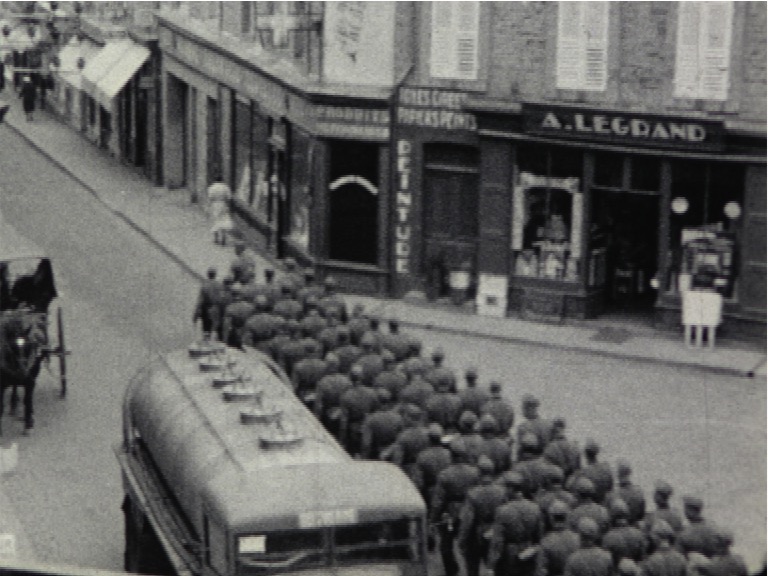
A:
x,y
743,373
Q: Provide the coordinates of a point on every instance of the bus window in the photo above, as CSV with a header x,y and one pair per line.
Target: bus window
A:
x,y
393,540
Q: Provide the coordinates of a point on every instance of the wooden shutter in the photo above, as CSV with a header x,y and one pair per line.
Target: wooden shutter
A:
x,y
715,49
454,45
595,37
569,45
703,52
582,45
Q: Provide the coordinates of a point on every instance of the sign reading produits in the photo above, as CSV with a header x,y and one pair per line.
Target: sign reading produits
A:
x,y
403,208
638,129
351,122
434,108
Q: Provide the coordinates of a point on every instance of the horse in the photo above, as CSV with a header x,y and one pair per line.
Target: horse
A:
x,y
23,341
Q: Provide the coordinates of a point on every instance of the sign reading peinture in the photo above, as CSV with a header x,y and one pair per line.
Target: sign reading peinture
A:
x,y
403,201
434,108
628,128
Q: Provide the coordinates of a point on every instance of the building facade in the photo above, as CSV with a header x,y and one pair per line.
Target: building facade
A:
x,y
572,159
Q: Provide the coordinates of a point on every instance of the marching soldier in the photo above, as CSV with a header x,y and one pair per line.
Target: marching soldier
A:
x,y
370,360
373,334
477,515
430,462
623,540
517,531
262,325
381,428
310,289
291,351
498,449
630,493
390,378
586,507
554,491
268,289
396,342
559,543
243,267
725,562
331,302
347,352
470,437
444,406
699,535
410,442
499,408
589,559
532,422
473,397
417,392
358,324
236,315
328,394
287,306
356,404
599,473
531,465
562,452
662,492
329,336
414,365
313,324
665,560
307,373
451,489
207,308
438,373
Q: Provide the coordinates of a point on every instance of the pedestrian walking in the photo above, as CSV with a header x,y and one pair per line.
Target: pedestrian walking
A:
x,y
219,198
28,95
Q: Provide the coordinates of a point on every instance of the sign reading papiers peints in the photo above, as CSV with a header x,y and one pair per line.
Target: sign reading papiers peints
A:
x,y
434,108
403,208
629,128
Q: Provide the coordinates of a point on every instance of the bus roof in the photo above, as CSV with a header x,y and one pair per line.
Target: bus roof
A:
x,y
312,496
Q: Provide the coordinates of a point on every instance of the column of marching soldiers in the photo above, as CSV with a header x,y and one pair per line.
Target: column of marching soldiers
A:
x,y
508,499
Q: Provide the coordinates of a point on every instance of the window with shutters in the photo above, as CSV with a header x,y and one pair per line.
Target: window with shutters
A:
x,y
582,46
702,59
454,46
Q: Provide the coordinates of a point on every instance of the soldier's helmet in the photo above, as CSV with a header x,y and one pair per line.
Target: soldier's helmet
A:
x,y
332,359
438,354
618,509
488,424
513,479
471,373
486,465
435,432
384,395
661,530
467,421
591,447
663,488
588,528
356,372
584,487
558,511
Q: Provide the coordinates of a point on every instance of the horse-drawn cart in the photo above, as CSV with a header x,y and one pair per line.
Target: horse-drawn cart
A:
x,y
31,321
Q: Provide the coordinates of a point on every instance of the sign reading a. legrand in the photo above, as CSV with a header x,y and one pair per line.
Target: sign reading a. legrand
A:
x,y
627,128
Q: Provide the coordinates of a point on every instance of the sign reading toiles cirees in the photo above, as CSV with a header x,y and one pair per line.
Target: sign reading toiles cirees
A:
x,y
627,128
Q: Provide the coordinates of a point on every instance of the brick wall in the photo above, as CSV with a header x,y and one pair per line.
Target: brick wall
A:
x,y
753,57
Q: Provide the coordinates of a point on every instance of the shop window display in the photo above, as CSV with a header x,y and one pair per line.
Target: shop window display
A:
x,y
705,218
547,214
259,190
301,194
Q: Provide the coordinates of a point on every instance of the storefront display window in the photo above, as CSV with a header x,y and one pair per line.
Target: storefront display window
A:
x,y
259,199
705,218
301,187
547,215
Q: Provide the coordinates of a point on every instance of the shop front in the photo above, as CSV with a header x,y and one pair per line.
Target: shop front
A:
x,y
308,168
612,212
436,218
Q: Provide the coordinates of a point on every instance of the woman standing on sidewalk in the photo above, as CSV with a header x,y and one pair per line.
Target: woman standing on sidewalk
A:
x,y
219,197
28,95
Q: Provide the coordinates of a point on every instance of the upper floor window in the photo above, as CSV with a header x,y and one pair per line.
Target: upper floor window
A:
x,y
702,60
454,46
582,45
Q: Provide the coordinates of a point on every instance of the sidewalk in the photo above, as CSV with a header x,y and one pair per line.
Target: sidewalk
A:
x,y
169,220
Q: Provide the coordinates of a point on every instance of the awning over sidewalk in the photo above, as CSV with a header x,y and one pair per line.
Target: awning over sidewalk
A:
x,y
129,63
67,70
101,64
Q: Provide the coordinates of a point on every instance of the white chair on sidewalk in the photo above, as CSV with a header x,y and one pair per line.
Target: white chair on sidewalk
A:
x,y
702,310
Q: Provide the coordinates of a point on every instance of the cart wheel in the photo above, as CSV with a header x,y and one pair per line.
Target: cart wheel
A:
x,y
62,353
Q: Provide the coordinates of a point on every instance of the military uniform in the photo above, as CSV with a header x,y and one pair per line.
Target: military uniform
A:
x,y
476,522
393,380
451,489
327,400
589,561
429,463
558,545
261,327
207,308
593,510
417,392
313,324
372,364
409,444
634,498
473,399
565,454
356,404
443,408
625,542
665,562
502,412
329,337
235,317
518,528
535,472
306,375
397,343
414,366
380,429
288,308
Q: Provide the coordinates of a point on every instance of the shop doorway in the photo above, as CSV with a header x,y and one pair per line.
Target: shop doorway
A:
x,y
354,202
626,226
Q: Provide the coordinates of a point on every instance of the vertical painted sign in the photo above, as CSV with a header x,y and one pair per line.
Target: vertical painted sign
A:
x,y
403,203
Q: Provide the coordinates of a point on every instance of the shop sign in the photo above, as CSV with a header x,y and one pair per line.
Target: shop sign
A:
x,y
635,129
352,122
403,208
434,108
